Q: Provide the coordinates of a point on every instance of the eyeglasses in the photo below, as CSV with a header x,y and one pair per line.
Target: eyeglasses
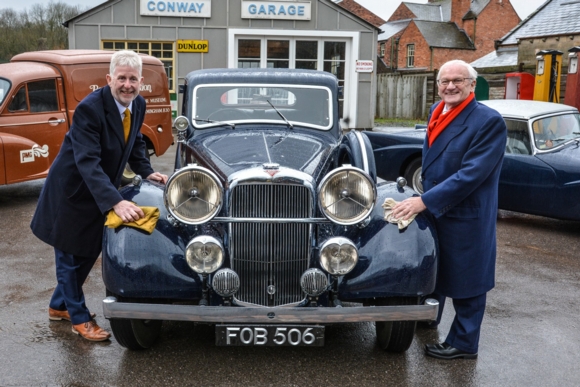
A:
x,y
456,82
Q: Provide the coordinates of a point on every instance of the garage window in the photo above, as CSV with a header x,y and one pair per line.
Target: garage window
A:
x,y
162,50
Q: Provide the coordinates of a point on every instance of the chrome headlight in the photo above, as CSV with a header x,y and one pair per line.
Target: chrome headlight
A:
x,y
204,254
338,256
181,123
193,195
347,195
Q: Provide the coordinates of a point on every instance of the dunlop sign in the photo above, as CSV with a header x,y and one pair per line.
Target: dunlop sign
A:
x,y
282,10
192,46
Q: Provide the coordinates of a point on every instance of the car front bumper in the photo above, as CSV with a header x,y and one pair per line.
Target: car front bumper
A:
x,y
264,315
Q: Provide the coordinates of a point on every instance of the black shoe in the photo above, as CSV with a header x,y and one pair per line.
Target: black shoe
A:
x,y
447,352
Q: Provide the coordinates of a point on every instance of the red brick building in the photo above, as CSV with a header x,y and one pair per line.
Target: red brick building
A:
x,y
424,36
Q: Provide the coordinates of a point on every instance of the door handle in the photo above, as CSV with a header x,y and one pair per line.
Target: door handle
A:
x,y
57,121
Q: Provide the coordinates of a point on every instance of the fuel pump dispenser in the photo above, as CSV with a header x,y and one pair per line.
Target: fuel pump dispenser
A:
x,y
549,65
572,88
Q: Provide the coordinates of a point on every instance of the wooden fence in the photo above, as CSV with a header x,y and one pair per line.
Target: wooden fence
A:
x,y
403,95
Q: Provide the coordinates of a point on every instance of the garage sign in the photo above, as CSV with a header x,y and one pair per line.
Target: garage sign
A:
x,y
192,46
284,10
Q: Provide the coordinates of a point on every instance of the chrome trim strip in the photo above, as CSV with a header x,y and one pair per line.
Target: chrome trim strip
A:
x,y
226,219
223,314
363,150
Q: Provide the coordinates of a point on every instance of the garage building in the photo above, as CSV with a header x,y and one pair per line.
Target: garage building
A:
x,y
202,34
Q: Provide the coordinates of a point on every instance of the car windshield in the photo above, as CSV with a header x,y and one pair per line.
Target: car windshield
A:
x,y
289,105
550,132
4,89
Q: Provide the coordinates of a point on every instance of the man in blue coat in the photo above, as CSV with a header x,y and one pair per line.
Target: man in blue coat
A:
x,y
82,186
462,157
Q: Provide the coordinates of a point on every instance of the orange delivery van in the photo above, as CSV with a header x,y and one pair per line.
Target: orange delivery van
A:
x,y
39,92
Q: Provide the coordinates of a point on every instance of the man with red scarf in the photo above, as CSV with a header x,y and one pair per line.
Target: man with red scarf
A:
x,y
462,157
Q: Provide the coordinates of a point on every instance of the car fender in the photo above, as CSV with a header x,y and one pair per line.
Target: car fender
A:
x,y
393,262
132,257
356,148
21,159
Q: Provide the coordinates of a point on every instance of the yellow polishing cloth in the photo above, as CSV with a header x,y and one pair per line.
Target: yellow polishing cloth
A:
x,y
388,206
147,223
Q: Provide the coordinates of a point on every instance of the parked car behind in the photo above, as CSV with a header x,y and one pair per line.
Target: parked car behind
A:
x,y
39,92
272,225
541,168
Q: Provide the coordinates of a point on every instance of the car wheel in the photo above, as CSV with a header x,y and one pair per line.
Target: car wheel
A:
x,y
395,336
132,333
413,175
128,173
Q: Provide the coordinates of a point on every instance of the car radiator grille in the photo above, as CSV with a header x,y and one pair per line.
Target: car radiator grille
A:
x,y
270,257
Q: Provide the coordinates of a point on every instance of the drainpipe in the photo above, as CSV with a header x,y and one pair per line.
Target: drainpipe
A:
x,y
397,53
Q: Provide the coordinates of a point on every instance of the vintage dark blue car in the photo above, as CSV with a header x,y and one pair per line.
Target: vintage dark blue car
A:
x,y
272,225
541,168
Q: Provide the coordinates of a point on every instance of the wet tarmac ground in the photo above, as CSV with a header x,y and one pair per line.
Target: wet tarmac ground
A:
x,y
530,336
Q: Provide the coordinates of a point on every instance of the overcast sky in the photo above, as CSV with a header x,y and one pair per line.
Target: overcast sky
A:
x,y
383,8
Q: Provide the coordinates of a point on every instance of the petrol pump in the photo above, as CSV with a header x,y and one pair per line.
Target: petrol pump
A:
x,y
572,98
519,86
549,65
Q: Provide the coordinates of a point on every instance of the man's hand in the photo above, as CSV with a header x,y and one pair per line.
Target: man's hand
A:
x,y
408,207
156,176
128,211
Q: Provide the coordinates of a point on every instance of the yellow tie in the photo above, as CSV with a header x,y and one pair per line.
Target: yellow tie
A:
x,y
127,123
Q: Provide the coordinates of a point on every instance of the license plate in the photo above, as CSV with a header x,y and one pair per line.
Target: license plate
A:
x,y
269,335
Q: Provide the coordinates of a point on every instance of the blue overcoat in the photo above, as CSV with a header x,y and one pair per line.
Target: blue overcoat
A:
x,y
460,179
82,184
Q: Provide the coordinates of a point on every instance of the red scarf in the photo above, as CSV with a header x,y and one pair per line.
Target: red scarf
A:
x,y
440,121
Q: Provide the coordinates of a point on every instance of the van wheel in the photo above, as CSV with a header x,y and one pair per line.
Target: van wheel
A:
x,y
413,175
128,173
132,333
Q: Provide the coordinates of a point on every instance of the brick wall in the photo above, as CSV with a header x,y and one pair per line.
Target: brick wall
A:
x,y
402,13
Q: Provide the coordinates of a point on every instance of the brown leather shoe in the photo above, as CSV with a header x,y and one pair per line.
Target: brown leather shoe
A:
x,y
91,331
57,315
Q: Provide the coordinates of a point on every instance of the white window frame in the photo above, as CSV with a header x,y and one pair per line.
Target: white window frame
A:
x,y
352,39
411,55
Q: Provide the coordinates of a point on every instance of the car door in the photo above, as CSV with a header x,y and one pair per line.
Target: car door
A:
x,y
35,113
526,182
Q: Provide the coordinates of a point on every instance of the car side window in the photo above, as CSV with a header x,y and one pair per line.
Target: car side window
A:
x,y
19,103
42,96
518,138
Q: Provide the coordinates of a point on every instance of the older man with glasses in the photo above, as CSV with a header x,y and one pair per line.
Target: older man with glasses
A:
x,y
462,157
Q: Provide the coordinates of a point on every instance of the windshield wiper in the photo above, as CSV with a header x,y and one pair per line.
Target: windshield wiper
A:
x,y
280,114
233,125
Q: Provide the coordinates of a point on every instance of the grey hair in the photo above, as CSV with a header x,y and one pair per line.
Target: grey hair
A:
x,y
126,58
470,69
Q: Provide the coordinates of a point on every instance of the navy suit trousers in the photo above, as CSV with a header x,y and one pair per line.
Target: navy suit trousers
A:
x,y
71,273
466,327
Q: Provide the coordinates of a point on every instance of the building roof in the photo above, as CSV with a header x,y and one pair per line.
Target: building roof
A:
x,y
392,28
356,9
441,10
478,5
444,35
434,12
554,17
502,57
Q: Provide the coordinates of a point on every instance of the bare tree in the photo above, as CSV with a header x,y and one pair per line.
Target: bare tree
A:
x,y
39,28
